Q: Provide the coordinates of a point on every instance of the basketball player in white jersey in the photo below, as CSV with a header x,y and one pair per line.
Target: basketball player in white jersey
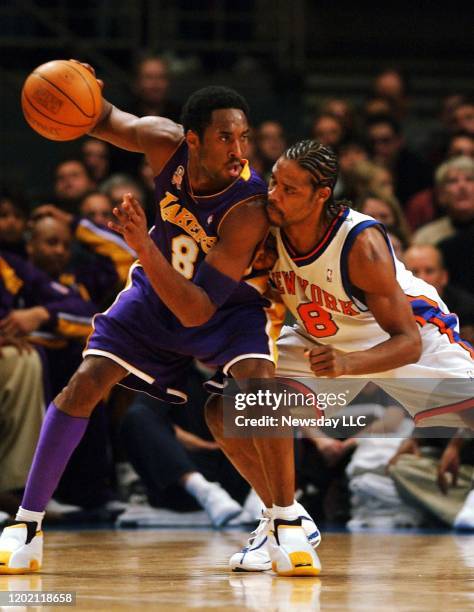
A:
x,y
359,313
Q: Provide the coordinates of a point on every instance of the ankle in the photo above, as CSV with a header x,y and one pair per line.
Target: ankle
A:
x,y
29,516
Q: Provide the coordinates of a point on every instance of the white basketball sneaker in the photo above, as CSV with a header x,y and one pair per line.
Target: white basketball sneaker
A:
x,y
255,556
290,551
21,548
219,505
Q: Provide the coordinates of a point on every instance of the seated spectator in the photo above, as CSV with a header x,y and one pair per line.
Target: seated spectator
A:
x,y
455,184
13,217
425,205
350,154
117,185
50,250
22,405
391,85
388,148
385,209
173,452
328,130
94,239
271,143
97,207
463,117
72,182
96,156
439,486
343,110
426,262
366,176
151,88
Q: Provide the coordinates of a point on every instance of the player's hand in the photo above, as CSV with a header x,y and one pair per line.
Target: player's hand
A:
x,y
325,360
21,322
19,343
131,222
448,468
407,447
90,69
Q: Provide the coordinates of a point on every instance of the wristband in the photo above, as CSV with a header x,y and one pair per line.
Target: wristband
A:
x,y
218,286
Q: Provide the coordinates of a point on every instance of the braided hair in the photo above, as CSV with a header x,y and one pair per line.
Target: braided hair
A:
x,y
321,162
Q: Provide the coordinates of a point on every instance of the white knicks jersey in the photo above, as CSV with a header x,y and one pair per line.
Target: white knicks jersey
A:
x,y
317,290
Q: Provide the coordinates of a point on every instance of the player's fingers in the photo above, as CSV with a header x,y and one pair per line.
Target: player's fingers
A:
x,y
115,227
87,66
101,83
121,214
442,482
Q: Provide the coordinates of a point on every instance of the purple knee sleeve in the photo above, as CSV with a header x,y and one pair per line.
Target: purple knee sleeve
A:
x,y
60,434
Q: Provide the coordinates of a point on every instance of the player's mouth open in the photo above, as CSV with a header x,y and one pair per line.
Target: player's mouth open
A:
x,y
235,169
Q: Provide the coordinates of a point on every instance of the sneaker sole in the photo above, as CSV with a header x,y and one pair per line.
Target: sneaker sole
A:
x,y
4,569
302,566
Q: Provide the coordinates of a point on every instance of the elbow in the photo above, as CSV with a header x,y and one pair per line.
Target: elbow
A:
x,y
414,347
196,319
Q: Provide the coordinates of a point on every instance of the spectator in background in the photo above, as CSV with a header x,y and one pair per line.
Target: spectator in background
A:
x,y
328,130
426,262
50,249
365,176
117,185
350,154
72,180
271,143
178,461
455,186
375,106
13,217
387,147
151,88
96,156
343,111
461,144
391,85
97,207
385,209
463,117
425,205
22,405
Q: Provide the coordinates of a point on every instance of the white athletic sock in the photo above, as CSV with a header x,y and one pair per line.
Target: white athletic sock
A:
x,y
30,515
287,513
197,485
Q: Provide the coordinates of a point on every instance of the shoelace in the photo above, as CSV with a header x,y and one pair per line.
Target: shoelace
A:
x,y
261,527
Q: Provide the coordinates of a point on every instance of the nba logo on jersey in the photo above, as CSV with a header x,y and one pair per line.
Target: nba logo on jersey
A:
x,y
329,275
178,177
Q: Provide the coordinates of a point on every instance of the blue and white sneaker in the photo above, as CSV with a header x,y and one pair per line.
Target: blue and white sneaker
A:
x,y
255,555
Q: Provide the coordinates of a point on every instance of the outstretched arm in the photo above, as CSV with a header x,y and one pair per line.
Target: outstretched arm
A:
x,y
371,269
241,232
156,137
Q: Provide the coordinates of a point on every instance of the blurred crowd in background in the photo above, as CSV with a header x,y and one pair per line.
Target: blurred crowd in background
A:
x,y
60,264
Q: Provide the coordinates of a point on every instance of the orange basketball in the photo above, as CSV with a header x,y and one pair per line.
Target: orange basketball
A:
x,y
61,100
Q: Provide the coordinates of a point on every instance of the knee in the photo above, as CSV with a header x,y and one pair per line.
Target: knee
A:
x,y
89,384
213,413
253,368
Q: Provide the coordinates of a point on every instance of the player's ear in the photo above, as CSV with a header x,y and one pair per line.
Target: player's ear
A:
x,y
192,139
324,193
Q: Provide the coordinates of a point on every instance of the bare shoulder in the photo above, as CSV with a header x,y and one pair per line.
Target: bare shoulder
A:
x,y
247,219
158,137
370,262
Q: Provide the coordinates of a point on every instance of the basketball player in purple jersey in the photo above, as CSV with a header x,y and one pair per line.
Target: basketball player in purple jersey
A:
x,y
186,297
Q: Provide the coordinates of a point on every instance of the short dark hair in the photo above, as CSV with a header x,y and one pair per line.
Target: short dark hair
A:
x,y
197,112
74,160
386,119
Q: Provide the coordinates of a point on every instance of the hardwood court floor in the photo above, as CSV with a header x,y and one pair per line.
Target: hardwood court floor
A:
x,y
186,570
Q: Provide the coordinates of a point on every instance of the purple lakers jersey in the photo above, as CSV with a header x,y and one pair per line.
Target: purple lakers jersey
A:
x,y
187,225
